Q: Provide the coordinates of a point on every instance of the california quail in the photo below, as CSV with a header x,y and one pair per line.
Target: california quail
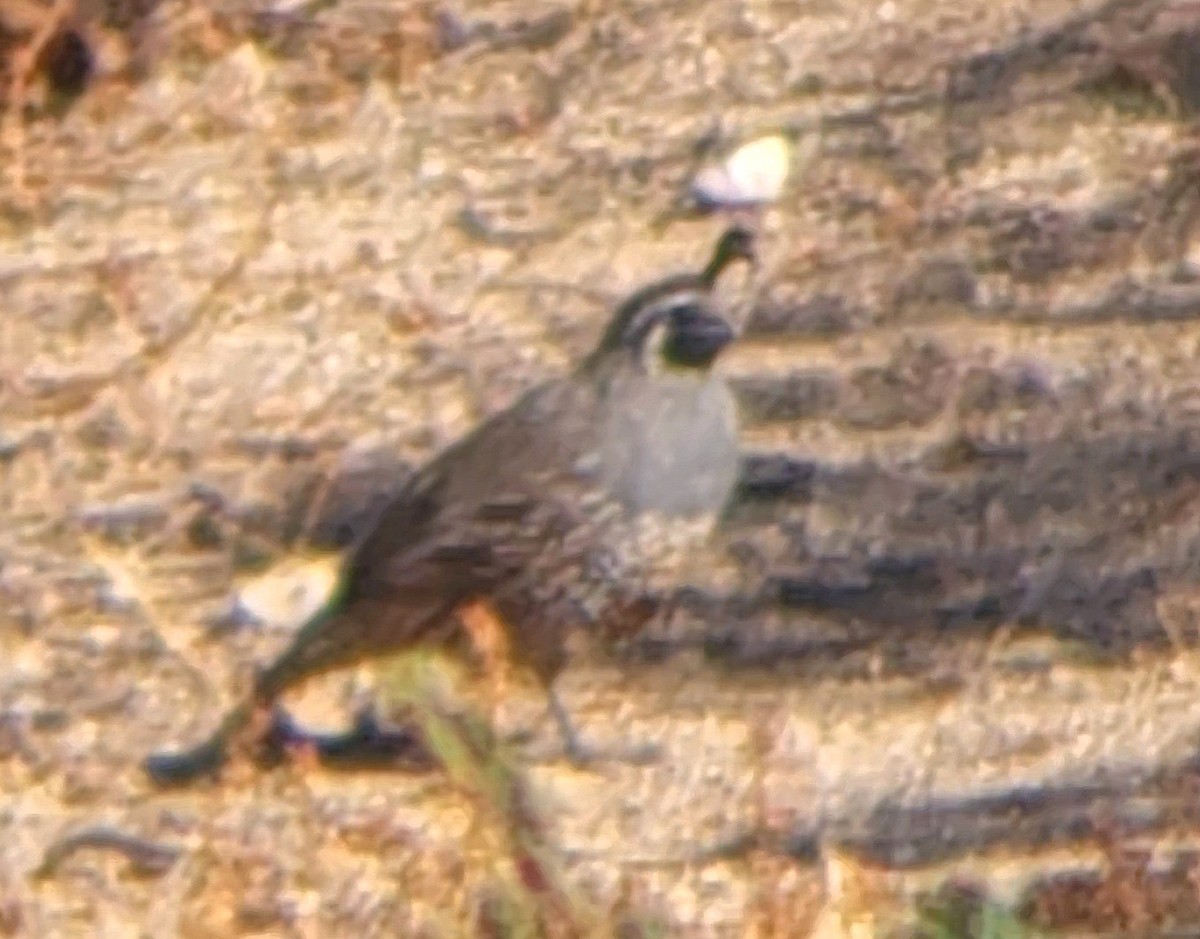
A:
x,y
575,506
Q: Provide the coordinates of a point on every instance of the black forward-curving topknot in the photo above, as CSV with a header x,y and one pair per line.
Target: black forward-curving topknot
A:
x,y
735,244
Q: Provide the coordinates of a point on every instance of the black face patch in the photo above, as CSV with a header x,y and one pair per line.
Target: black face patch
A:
x,y
695,336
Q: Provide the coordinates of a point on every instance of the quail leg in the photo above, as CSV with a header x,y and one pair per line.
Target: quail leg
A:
x,y
583,755
489,635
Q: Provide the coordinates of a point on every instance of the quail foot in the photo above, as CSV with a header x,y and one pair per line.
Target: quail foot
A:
x,y
577,507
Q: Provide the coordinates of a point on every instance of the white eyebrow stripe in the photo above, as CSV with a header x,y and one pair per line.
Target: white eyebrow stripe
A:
x,y
662,306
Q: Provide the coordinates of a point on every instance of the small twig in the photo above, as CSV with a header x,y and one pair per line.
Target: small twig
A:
x,y
146,858
477,224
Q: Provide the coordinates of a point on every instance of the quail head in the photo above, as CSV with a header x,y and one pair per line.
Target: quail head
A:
x,y
575,508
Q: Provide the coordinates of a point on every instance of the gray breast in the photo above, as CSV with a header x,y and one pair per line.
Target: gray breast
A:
x,y
669,444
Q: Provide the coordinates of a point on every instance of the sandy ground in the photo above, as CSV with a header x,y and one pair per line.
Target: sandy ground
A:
x,y
949,621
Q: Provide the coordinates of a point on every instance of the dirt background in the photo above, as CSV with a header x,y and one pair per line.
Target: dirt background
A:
x,y
950,621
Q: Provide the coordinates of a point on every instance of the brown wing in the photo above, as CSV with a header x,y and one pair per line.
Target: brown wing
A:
x,y
484,512
513,455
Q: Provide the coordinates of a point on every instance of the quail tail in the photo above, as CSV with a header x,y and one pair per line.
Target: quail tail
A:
x,y
203,761
311,651
327,641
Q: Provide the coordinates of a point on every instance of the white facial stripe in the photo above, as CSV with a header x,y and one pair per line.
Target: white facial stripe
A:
x,y
652,346
661,309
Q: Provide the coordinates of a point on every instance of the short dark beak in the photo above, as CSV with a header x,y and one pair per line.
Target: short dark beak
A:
x,y
698,338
